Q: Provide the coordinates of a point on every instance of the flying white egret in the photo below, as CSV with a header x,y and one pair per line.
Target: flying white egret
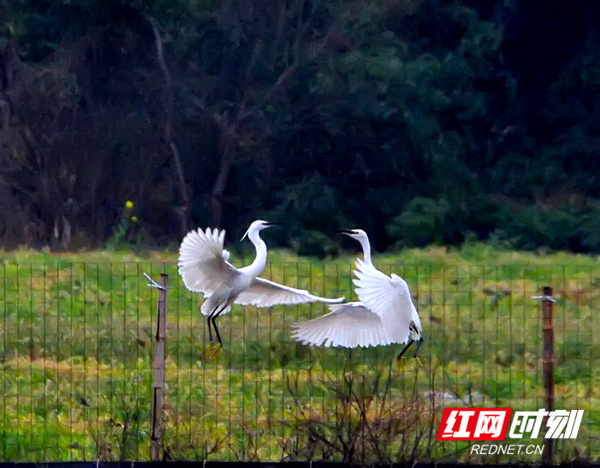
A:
x,y
385,315
204,267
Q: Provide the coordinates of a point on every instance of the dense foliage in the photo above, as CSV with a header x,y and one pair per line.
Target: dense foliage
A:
x,y
422,121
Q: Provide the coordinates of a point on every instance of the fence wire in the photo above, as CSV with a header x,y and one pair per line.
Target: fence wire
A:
x,y
76,344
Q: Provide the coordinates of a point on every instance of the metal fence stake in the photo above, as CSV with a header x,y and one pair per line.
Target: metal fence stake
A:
x,y
159,368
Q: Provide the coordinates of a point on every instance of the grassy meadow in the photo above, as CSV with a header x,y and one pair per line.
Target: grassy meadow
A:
x,y
76,335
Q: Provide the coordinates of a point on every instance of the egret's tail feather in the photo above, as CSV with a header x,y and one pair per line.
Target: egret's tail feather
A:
x,y
208,307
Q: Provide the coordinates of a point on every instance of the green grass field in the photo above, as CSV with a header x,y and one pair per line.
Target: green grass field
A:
x,y
76,345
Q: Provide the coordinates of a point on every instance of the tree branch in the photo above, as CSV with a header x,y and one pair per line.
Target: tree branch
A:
x,y
167,135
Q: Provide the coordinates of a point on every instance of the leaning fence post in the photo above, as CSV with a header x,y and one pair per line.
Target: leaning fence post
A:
x,y
548,366
158,384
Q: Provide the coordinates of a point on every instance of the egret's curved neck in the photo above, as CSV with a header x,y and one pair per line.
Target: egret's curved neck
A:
x,y
364,242
259,263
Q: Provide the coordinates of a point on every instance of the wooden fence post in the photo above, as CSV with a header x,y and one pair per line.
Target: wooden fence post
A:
x,y
158,385
548,363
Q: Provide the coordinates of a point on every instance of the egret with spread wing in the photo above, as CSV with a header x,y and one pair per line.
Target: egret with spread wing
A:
x,y
204,267
385,314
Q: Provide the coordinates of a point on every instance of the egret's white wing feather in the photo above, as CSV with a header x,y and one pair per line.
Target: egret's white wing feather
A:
x,y
348,325
203,262
389,297
265,293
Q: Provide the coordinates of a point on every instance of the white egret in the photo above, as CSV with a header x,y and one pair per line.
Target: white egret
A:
x,y
204,267
385,315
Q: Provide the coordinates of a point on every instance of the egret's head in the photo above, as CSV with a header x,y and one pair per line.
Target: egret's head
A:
x,y
257,226
354,233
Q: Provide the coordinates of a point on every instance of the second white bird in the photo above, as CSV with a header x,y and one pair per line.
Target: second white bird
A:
x,y
384,315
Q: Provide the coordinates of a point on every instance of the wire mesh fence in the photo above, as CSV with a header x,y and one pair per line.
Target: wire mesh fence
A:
x,y
76,345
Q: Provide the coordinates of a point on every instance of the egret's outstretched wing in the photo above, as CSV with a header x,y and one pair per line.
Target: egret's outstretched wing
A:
x,y
265,293
348,325
202,261
389,297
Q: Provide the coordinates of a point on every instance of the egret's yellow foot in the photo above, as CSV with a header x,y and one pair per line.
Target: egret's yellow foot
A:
x,y
418,362
214,350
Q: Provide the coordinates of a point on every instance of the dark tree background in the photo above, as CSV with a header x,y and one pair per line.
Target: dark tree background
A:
x,y
421,121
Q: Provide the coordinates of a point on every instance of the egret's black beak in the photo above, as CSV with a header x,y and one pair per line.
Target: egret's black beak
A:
x,y
343,231
268,223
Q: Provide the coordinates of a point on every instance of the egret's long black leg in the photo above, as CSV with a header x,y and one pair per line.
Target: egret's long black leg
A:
x,y
209,329
213,318
405,349
419,344
209,323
